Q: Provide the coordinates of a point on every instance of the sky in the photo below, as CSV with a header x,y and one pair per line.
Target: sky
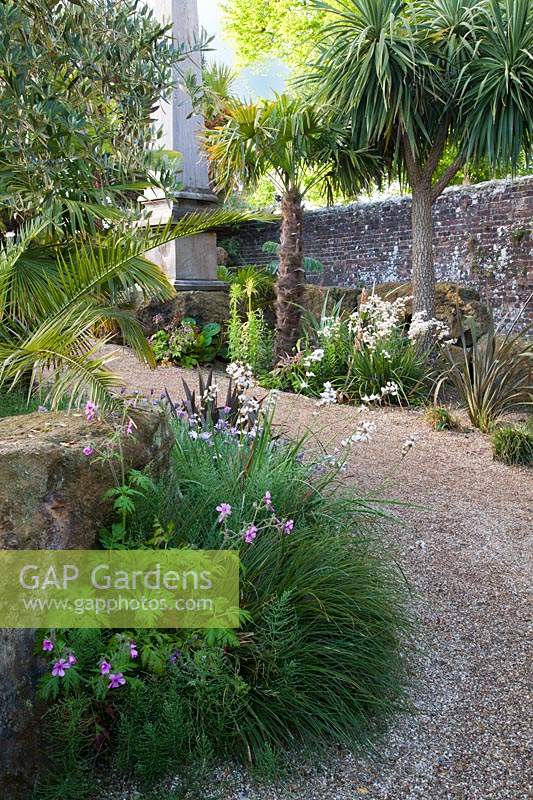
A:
x,y
257,82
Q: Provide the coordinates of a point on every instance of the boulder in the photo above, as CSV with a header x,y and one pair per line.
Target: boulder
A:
x,y
212,306
51,498
449,297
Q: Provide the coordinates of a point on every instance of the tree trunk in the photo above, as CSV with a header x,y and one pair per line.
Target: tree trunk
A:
x,y
291,277
423,270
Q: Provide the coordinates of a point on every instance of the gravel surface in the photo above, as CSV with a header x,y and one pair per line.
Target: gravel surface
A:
x,y
467,550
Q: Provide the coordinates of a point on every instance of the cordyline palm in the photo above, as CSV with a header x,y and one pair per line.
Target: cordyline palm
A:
x,y
417,77
52,303
297,145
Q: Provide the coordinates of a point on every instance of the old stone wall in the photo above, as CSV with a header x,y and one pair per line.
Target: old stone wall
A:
x,y
482,234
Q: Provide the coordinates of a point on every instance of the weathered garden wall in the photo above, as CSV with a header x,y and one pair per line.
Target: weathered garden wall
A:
x,y
483,238
51,498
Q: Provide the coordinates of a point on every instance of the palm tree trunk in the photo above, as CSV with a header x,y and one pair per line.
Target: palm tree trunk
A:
x,y
291,277
423,269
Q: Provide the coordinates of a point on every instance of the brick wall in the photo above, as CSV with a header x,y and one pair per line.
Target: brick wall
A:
x,y
482,235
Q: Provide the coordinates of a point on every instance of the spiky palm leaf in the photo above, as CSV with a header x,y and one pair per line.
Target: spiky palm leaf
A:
x,y
50,308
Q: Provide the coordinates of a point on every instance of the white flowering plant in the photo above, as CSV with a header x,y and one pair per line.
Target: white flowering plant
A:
x,y
369,355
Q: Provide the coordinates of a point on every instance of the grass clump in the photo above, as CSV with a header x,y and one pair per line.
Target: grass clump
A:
x,y
441,418
319,657
513,444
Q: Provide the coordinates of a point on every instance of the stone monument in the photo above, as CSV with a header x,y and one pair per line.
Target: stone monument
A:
x,y
190,263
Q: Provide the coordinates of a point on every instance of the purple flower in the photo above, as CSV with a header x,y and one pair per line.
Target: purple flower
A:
x,y
116,679
250,533
90,411
48,645
224,510
134,653
205,436
105,667
288,526
175,656
60,667
129,427
42,409
88,451
267,500
71,658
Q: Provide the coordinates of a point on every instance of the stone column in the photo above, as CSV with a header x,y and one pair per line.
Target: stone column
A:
x,y
190,263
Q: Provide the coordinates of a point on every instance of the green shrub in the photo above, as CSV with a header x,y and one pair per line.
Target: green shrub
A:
x,y
188,345
320,654
250,341
513,444
441,419
494,376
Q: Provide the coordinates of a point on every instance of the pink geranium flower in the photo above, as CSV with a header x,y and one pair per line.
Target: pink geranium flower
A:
x,y
116,679
224,510
48,645
288,526
250,533
134,653
60,667
105,667
90,411
88,451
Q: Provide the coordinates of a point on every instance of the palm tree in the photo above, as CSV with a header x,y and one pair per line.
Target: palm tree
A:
x,y
418,78
297,146
55,297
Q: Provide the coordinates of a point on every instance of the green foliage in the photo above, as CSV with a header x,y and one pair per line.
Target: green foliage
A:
x,y
79,84
256,284
322,603
430,74
513,444
311,265
211,96
250,341
297,144
289,29
54,301
441,419
188,345
14,403
494,376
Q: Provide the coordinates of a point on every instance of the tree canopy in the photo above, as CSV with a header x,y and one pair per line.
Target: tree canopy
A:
x,y
79,82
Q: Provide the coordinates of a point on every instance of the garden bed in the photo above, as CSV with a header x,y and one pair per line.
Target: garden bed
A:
x,y
466,549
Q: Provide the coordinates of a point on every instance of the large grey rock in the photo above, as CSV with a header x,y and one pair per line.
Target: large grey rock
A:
x,y
51,498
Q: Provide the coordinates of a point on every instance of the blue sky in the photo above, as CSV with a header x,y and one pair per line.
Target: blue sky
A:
x,y
259,81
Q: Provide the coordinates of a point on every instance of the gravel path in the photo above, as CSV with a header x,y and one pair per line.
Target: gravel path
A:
x,y
468,552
